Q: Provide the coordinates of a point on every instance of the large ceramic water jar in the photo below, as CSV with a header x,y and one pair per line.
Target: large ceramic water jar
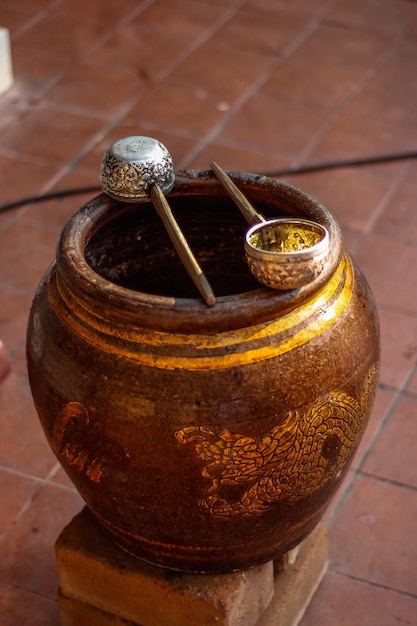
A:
x,y
204,439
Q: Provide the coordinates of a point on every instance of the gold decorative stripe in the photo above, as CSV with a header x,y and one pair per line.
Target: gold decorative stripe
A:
x,y
204,341
309,320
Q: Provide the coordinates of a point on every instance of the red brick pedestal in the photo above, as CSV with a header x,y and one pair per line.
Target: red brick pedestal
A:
x,y
102,585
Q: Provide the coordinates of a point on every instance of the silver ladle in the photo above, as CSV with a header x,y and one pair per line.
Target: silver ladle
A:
x,y
282,253
139,169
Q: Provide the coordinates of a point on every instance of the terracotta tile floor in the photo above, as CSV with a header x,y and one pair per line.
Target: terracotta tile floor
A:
x,y
258,85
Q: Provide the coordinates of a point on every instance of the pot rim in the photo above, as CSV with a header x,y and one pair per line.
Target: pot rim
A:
x,y
187,314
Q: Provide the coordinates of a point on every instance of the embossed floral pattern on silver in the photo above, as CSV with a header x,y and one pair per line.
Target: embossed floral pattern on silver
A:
x,y
132,165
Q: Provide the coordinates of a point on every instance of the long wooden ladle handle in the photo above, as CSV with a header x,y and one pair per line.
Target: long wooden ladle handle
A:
x,y
248,211
180,244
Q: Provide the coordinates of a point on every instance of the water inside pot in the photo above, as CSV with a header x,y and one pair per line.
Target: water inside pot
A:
x,y
134,250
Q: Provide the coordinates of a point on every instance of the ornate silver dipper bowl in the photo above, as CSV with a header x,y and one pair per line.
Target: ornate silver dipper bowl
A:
x,y
132,165
139,169
285,253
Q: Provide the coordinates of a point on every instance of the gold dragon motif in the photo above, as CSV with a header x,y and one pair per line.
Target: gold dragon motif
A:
x,y
74,453
310,448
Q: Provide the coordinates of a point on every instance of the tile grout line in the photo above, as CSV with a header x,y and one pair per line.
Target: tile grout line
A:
x,y
67,167
26,506
87,51
314,24
358,470
394,309
375,584
392,406
383,205
113,121
340,108
47,480
388,481
298,41
35,20
178,61
27,590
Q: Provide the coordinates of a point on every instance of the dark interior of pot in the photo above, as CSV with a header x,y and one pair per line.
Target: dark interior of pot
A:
x,y
134,250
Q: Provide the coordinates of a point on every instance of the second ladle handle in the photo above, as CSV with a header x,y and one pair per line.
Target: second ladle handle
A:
x,y
248,211
180,244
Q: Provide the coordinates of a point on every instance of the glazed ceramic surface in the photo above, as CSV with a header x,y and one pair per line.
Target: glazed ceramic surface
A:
x,y
203,439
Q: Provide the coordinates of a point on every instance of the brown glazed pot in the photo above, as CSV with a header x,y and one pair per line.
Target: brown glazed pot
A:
x,y
204,439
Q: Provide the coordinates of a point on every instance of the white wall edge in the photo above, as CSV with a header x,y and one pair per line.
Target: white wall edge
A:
x,y
6,67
